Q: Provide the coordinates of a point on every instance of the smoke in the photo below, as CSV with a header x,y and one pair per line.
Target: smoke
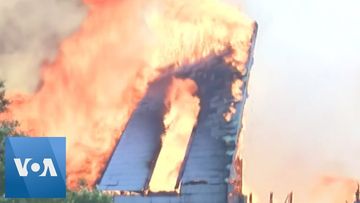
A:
x,y
30,32
302,115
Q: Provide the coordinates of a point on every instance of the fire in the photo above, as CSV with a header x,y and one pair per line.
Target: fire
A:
x,y
183,108
102,70
334,189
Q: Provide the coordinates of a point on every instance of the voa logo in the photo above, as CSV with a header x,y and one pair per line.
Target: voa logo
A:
x,y
35,167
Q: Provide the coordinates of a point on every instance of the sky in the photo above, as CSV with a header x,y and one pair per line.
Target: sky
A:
x,y
302,116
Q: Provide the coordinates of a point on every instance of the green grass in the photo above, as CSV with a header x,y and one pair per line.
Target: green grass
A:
x,y
82,196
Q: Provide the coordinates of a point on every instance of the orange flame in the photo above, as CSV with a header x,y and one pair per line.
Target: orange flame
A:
x,y
179,122
101,72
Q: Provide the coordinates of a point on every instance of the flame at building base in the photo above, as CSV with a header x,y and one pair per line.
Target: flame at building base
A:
x,y
179,121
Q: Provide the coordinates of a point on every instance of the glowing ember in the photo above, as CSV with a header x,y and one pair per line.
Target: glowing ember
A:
x,y
101,72
230,112
236,90
183,109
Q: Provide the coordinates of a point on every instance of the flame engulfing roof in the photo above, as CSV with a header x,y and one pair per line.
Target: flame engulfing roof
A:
x,y
211,168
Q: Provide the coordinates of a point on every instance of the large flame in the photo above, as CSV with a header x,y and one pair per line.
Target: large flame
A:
x,y
101,72
183,108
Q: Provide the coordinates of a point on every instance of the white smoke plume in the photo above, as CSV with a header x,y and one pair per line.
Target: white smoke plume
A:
x,y
30,32
302,116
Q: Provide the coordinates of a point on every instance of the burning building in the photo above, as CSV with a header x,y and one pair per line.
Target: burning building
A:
x,y
150,96
181,143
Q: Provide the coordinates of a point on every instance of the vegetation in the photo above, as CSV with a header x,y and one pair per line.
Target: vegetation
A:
x,y
82,196
4,129
9,128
